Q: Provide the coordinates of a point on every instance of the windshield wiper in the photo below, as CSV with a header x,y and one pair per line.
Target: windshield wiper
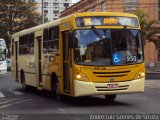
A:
x,y
97,33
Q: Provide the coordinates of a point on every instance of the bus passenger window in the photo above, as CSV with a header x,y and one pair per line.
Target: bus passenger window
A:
x,y
26,45
53,43
45,41
31,50
20,45
12,45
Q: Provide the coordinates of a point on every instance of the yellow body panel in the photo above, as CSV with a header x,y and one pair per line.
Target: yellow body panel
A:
x,y
118,73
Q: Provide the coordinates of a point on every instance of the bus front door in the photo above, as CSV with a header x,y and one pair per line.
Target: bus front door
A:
x,y
66,63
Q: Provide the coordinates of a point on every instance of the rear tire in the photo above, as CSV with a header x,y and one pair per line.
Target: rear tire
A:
x,y
110,98
23,82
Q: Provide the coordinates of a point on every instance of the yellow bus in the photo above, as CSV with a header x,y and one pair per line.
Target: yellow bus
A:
x,y
92,53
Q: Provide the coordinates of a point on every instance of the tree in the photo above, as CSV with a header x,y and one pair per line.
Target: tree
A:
x,y
147,30
16,15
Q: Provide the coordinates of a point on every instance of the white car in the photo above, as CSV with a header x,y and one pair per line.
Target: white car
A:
x,y
3,67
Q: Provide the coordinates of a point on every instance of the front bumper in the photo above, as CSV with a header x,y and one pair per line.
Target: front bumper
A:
x,y
91,88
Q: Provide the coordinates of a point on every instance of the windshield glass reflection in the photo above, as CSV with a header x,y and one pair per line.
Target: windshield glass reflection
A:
x,y
107,47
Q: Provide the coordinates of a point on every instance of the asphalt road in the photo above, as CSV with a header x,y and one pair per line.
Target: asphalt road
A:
x,y
41,105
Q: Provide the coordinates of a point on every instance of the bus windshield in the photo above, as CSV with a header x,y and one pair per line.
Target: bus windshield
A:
x,y
106,47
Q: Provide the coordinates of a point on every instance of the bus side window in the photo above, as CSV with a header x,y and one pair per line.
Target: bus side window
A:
x,y
12,52
45,41
31,50
26,45
53,43
20,45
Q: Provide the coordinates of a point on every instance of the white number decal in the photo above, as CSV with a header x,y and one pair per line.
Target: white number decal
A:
x,y
131,58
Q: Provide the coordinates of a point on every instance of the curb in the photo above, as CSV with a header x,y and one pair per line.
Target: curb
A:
x,y
153,75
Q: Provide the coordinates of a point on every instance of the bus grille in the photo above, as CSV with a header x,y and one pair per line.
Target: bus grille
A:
x,y
105,88
111,74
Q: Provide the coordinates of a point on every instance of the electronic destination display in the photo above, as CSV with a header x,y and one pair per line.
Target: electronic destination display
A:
x,y
106,21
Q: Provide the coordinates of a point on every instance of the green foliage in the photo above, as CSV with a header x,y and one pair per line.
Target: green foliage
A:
x,y
16,15
147,29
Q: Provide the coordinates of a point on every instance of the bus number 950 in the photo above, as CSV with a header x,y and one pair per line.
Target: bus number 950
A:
x,y
131,58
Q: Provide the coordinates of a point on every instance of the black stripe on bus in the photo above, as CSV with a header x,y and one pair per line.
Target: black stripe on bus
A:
x,y
35,73
111,72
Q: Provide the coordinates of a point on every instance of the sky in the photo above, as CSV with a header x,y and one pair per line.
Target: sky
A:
x,y
74,1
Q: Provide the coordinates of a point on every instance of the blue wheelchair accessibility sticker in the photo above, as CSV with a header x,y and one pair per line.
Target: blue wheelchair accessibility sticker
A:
x,y
117,58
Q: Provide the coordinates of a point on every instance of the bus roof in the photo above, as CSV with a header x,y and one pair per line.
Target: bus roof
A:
x,y
64,19
105,14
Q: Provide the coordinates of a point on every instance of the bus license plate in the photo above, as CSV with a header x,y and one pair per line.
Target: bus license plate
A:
x,y
112,85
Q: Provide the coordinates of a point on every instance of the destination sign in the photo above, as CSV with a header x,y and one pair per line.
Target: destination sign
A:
x,y
106,21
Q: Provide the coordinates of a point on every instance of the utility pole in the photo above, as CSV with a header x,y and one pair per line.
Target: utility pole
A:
x,y
42,12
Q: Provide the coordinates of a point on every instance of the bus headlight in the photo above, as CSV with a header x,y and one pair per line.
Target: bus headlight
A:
x,y
81,76
140,75
78,76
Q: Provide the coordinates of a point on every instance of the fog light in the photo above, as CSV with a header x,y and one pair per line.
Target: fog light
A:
x,y
78,76
84,78
142,74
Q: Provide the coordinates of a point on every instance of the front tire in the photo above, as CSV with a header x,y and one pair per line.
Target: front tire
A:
x,y
110,98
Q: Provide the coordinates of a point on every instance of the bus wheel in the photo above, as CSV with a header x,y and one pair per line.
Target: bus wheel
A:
x,y
59,96
110,98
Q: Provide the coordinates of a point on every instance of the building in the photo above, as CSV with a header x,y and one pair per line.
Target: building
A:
x,y
151,7
29,0
51,9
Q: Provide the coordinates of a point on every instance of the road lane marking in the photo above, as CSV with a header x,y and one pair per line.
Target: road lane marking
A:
x,y
4,99
15,92
7,105
1,95
62,110
7,101
152,84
